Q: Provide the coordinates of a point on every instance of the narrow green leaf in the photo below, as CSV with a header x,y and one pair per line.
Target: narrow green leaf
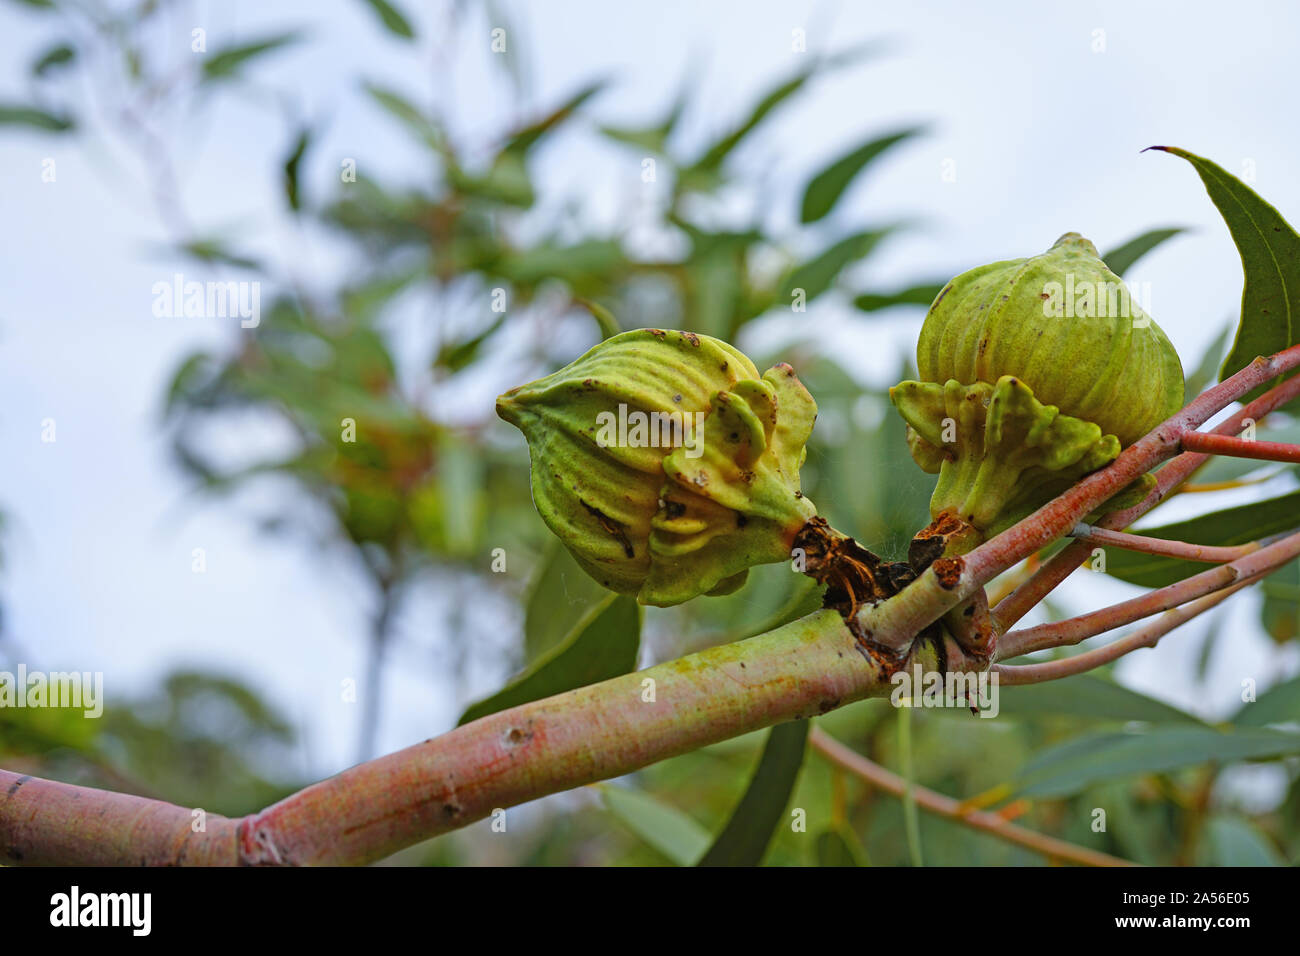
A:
x,y
1281,611
14,115
839,846
1233,841
805,597
817,274
1270,257
907,770
922,294
215,250
455,356
411,115
665,828
1121,259
826,188
224,63
652,139
603,645
744,839
559,596
1070,767
506,181
291,165
526,138
392,19
1089,697
714,155
1231,526
1279,704
56,56
605,320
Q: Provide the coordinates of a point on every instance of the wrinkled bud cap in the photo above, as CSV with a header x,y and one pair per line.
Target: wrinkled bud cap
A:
x,y
1066,326
665,463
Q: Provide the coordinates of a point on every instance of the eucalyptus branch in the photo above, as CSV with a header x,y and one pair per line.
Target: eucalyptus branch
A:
x,y
366,813
945,806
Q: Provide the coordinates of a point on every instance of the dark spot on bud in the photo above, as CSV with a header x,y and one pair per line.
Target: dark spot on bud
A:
x,y
692,338
677,398
611,527
741,520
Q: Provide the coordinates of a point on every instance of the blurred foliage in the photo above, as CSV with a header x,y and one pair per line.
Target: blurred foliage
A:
x,y
471,278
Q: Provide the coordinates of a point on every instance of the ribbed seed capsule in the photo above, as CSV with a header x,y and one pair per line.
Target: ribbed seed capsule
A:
x,y
1034,373
665,463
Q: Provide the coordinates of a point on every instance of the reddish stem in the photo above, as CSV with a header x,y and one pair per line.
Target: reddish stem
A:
x,y
1210,554
1212,444
1059,567
1149,636
1076,629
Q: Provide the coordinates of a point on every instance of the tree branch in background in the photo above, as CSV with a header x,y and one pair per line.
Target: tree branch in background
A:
x,y
945,806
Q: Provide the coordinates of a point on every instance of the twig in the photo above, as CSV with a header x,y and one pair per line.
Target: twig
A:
x,y
1149,636
945,806
1212,444
1084,626
1012,608
1165,547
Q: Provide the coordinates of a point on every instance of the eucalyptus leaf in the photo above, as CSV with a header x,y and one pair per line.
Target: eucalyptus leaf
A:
x,y
1089,697
817,274
923,294
1121,259
744,839
1270,256
603,645
226,62
12,114
392,19
1280,704
1067,768
826,188
663,827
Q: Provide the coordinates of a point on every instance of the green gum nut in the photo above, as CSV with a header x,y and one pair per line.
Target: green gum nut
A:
x,y
1034,372
665,463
